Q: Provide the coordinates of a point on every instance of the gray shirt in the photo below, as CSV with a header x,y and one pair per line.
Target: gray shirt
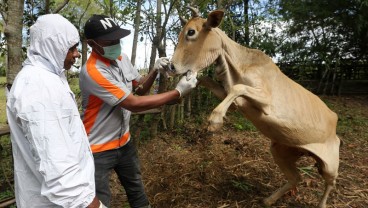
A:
x,y
104,84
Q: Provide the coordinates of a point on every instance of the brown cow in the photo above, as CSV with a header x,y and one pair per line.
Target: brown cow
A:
x,y
296,121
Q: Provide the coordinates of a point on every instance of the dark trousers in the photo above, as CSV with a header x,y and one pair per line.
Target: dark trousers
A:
x,y
124,161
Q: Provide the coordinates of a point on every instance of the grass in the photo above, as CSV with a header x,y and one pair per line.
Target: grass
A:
x,y
241,123
2,102
6,171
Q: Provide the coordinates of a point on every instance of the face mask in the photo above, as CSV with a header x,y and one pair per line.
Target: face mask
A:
x,y
112,52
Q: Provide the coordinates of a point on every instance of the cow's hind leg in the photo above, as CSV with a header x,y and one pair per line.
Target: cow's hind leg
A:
x,y
286,158
328,168
329,174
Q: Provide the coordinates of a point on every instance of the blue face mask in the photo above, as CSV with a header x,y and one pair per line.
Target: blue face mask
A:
x,y
112,52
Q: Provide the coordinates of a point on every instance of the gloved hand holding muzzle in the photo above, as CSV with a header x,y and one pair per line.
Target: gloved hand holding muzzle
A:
x,y
187,83
163,66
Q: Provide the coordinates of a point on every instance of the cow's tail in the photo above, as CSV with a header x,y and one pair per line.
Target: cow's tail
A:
x,y
341,141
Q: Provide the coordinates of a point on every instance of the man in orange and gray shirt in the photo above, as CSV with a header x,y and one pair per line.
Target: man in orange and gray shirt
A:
x,y
107,81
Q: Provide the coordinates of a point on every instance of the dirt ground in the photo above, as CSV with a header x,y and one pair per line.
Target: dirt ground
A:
x,y
189,168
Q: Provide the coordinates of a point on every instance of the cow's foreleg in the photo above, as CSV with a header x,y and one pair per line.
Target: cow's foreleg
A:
x,y
257,97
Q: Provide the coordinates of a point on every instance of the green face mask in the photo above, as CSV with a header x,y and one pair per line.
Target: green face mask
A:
x,y
112,52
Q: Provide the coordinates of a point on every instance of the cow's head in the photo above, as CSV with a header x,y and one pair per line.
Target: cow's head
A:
x,y
198,46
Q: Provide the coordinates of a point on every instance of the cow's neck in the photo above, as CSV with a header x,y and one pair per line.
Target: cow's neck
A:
x,y
231,60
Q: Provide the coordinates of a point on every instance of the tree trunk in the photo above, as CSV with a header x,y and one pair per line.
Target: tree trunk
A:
x,y
188,105
111,9
181,111
84,51
13,34
321,81
153,55
137,22
47,6
155,122
172,113
333,82
136,128
246,21
198,100
156,38
60,7
155,44
340,87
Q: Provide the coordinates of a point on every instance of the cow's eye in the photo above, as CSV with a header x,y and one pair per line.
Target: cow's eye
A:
x,y
191,32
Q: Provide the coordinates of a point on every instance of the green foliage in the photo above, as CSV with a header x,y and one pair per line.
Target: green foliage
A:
x,y
6,168
245,126
6,194
203,165
323,30
308,170
76,90
32,10
240,123
74,81
242,185
126,205
79,11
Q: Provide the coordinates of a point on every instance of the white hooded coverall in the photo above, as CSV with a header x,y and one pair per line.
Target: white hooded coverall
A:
x,y
53,163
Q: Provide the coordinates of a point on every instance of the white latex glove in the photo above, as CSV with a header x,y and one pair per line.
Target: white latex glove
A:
x,y
161,64
187,83
102,205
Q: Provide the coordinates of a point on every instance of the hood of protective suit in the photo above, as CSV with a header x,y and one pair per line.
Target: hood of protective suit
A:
x,y
51,37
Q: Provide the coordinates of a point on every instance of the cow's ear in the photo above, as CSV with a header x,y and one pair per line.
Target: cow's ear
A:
x,y
214,19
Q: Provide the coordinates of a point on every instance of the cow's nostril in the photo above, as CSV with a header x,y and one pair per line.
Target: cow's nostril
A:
x,y
172,67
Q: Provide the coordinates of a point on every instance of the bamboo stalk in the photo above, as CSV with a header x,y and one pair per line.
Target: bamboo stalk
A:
x,y
7,202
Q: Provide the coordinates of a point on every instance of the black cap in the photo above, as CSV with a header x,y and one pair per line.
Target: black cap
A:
x,y
102,27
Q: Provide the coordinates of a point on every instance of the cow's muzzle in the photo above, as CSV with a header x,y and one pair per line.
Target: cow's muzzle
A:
x,y
174,70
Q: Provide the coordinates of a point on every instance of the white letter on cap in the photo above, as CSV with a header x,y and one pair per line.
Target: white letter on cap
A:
x,y
107,22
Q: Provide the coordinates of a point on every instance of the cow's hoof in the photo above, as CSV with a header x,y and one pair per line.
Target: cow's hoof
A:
x,y
214,127
322,205
268,202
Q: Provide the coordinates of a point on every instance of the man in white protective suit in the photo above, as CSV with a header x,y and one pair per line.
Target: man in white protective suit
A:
x,y
53,163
